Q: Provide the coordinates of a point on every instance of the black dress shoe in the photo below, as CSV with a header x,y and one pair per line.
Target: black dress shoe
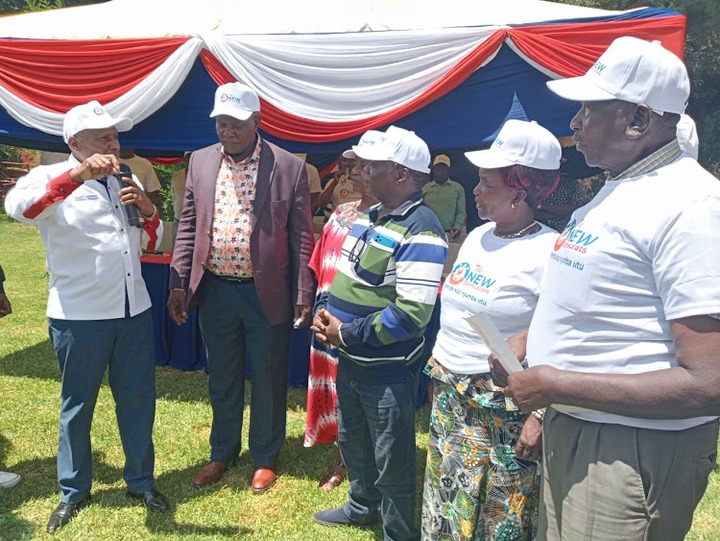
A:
x,y
64,513
152,499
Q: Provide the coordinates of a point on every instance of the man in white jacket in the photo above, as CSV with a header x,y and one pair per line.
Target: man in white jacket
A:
x,y
98,306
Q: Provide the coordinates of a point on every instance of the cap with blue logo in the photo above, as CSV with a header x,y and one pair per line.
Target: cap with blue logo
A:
x,y
632,70
236,100
395,145
520,143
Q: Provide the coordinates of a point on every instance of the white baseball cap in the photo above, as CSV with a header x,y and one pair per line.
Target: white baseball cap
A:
x,y
632,70
236,100
520,143
91,116
395,145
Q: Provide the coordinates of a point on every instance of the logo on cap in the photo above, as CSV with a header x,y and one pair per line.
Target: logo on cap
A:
x,y
599,67
98,111
230,97
499,142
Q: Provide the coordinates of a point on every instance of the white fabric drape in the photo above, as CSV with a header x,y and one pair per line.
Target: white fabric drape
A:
x,y
139,103
341,77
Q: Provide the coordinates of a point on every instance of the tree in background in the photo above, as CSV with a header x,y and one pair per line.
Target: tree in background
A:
x,y
18,6
702,57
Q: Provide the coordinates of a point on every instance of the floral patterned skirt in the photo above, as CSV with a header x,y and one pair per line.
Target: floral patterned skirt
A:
x,y
475,487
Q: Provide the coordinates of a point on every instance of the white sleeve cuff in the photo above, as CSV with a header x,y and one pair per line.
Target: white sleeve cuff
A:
x,y
340,335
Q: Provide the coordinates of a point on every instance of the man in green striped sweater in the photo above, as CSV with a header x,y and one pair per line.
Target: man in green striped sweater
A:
x,y
376,312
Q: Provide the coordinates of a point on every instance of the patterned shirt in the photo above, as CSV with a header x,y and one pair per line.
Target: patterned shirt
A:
x,y
660,158
232,216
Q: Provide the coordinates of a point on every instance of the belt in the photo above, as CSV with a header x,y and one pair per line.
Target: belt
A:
x,y
238,279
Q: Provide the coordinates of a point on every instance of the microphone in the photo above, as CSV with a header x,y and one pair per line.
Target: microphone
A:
x,y
132,212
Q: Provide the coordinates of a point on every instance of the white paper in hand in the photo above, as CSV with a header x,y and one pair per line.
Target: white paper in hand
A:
x,y
486,328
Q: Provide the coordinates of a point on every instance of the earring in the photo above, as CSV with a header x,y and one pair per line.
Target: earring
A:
x,y
512,205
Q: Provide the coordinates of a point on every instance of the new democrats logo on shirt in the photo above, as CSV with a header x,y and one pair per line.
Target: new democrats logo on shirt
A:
x,y
575,238
472,277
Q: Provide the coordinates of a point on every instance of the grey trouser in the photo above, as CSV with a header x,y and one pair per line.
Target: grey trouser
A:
x,y
605,482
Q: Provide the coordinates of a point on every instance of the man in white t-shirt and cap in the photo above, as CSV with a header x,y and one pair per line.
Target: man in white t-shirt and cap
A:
x,y
625,341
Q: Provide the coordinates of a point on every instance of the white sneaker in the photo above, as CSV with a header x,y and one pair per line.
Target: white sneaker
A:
x,y
8,479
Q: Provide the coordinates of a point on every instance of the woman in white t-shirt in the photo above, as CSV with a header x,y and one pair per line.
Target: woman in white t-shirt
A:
x,y
482,479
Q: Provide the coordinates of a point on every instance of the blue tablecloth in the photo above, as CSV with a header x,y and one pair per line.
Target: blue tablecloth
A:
x,y
181,346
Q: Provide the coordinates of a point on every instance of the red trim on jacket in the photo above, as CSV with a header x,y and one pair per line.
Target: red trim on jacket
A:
x,y
58,189
150,226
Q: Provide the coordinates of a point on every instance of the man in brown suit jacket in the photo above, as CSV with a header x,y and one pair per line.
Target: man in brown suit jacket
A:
x,y
243,245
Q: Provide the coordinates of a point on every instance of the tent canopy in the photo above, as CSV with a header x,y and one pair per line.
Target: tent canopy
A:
x,y
119,19
324,74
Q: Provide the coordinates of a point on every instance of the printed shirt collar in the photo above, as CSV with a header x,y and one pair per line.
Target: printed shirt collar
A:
x,y
660,158
254,157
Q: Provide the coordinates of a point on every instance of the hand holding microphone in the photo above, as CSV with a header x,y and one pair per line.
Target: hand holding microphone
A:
x,y
135,203
132,212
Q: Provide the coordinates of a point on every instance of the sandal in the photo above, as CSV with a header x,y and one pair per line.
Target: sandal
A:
x,y
333,477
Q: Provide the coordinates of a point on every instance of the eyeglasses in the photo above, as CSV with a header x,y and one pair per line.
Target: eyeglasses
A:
x,y
359,247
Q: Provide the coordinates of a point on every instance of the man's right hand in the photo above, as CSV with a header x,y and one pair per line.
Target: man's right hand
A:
x,y
176,306
97,165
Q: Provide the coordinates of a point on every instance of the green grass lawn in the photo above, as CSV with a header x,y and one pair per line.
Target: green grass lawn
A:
x,y
29,391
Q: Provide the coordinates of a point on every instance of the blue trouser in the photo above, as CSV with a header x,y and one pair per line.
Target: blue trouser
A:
x,y
235,330
84,350
376,409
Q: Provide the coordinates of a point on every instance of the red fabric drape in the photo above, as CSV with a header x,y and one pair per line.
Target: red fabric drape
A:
x,y
287,126
56,75
571,49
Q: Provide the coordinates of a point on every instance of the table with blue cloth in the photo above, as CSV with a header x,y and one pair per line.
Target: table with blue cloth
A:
x,y
182,347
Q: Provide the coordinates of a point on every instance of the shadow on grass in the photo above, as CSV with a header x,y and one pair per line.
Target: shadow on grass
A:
x,y
37,361
39,482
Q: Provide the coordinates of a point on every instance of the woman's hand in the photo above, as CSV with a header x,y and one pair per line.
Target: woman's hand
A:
x,y
497,372
529,444
518,345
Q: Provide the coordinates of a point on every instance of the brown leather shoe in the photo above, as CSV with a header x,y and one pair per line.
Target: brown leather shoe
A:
x,y
211,473
262,480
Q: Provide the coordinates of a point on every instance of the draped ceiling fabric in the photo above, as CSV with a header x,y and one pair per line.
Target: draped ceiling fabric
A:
x,y
450,76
